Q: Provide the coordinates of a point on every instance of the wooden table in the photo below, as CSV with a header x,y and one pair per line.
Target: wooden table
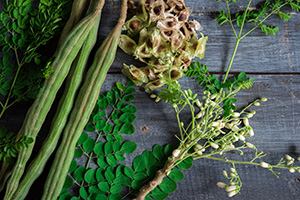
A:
x,y
274,64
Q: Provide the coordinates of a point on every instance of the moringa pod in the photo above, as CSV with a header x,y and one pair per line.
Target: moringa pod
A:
x,y
133,25
173,74
200,50
153,85
127,44
135,74
143,51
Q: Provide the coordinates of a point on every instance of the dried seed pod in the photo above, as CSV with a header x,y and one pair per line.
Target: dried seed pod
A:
x,y
155,39
127,44
144,36
150,73
174,74
194,25
184,15
142,51
133,25
154,85
157,10
135,74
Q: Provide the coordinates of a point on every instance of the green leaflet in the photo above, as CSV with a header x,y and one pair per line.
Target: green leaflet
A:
x,y
102,143
9,147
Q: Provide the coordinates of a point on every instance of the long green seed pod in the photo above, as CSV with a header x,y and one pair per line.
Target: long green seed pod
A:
x,y
41,106
58,123
83,107
79,7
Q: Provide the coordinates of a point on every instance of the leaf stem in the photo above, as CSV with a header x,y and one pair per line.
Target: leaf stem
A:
x,y
230,20
263,20
5,106
231,60
244,162
244,18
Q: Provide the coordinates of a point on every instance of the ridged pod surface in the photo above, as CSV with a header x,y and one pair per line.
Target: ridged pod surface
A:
x,y
83,107
41,106
59,121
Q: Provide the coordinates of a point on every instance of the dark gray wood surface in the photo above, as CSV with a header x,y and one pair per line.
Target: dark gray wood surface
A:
x,y
274,64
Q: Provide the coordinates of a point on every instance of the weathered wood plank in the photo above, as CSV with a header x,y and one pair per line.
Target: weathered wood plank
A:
x,y
276,123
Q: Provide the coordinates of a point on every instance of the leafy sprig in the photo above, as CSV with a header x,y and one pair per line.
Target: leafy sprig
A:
x,y
102,144
9,146
23,30
259,15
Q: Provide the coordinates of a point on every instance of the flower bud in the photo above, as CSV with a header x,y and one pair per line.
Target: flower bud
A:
x,y
213,96
246,121
225,173
236,114
157,99
292,170
288,157
232,174
264,164
221,184
198,103
249,145
232,169
256,103
264,99
176,153
213,104
251,133
250,115
290,162
231,188
214,145
231,194
235,128
214,124
197,147
200,114
186,92
241,137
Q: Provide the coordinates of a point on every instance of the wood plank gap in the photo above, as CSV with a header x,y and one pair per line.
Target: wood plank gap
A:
x,y
235,73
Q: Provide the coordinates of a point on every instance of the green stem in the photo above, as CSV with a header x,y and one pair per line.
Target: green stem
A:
x,y
5,106
244,18
231,60
263,20
230,20
244,162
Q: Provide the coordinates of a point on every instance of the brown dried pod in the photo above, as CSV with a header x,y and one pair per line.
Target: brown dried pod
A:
x,y
127,44
135,74
142,51
176,5
173,74
133,25
153,85
157,10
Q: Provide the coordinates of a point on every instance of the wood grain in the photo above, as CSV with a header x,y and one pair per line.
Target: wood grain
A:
x,y
274,64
